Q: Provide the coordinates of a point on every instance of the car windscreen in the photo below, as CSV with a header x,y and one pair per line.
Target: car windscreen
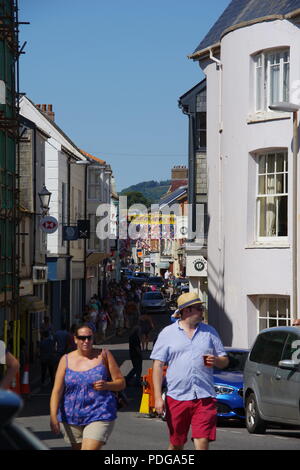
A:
x,y
237,360
152,296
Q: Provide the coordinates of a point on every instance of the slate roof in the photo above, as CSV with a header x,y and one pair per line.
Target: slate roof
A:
x,y
170,197
239,11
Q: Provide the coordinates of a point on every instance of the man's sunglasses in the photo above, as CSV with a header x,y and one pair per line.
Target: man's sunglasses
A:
x,y
198,307
83,338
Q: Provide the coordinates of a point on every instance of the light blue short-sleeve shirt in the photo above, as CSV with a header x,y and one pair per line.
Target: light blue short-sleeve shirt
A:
x,y
187,377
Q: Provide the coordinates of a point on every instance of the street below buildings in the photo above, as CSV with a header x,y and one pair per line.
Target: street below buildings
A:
x,y
136,431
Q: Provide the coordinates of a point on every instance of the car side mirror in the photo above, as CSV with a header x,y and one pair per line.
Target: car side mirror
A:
x,y
288,364
10,405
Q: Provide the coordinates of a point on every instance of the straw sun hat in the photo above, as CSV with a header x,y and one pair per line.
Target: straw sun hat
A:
x,y
186,300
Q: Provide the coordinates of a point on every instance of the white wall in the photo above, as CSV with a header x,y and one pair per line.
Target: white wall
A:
x,y
237,268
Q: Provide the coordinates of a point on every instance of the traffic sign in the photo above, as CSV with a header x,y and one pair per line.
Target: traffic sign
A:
x,y
48,224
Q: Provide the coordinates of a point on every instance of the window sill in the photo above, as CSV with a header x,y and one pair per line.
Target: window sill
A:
x,y
267,116
268,245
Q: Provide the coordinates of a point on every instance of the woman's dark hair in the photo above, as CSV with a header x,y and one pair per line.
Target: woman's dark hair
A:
x,y
82,325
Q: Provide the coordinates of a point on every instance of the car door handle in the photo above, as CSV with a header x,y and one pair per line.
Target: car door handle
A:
x,y
278,377
258,372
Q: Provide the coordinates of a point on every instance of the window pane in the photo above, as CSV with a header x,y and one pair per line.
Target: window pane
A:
x,y
282,217
259,88
282,310
279,184
271,184
267,217
262,218
271,163
262,185
263,324
262,164
273,308
279,162
274,84
263,307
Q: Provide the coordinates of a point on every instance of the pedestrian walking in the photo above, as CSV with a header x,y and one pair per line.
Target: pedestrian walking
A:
x,y
190,399
119,315
47,357
146,326
83,404
47,326
63,340
136,357
104,321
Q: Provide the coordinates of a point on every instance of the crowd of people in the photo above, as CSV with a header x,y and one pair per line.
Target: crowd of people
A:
x,y
83,404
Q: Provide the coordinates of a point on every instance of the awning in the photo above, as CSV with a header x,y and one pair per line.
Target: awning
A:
x,y
95,258
30,303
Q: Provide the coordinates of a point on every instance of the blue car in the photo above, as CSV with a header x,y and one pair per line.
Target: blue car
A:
x,y
229,385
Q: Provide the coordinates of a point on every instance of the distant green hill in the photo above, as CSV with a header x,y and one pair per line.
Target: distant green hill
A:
x,y
152,190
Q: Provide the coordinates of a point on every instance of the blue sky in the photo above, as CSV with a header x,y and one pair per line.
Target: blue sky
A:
x,y
113,71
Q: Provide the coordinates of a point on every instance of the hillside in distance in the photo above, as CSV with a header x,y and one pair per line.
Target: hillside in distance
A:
x,y
152,190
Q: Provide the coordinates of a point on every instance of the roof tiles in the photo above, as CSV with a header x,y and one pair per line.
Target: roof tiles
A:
x,y
239,11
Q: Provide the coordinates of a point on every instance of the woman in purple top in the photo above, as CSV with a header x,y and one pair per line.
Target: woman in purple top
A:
x,y
83,403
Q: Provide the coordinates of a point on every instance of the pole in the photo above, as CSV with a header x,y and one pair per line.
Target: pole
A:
x,y
85,240
68,319
295,215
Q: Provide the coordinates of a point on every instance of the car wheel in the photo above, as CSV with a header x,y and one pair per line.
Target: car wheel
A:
x,y
254,423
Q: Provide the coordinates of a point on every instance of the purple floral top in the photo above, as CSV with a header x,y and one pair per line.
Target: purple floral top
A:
x,y
80,403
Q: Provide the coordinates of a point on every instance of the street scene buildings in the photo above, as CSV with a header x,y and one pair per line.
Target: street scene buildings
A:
x,y
235,237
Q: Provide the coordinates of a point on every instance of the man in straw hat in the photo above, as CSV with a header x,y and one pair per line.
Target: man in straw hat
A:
x,y
191,349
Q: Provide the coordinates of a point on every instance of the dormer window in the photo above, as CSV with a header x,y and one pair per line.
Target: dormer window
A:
x,y
272,78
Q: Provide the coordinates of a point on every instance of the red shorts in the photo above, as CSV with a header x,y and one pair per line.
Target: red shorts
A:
x,y
201,414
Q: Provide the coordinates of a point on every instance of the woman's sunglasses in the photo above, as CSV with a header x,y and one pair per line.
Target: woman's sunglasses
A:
x,y
83,338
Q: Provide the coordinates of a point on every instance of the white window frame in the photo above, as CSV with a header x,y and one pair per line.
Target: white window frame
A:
x,y
94,184
270,319
263,83
260,196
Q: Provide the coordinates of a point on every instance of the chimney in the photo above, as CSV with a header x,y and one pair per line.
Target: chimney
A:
x,y
47,109
179,173
50,112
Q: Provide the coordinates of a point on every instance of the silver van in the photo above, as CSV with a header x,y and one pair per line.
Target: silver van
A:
x,y
272,379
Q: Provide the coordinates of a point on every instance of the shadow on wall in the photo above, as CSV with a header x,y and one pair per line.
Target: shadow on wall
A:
x,y
217,316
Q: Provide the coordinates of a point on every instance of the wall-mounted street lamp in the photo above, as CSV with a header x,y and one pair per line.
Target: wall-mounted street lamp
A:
x,y
293,108
45,197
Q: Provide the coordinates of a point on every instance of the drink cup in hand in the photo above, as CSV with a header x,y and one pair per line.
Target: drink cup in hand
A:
x,y
208,352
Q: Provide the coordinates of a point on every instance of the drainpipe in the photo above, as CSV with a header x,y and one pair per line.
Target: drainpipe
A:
x,y
220,190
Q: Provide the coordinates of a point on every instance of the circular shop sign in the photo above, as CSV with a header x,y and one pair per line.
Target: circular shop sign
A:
x,y
48,224
199,265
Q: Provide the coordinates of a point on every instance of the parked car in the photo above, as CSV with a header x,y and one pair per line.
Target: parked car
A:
x,y
153,302
12,435
126,272
272,379
156,281
229,385
181,285
139,278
